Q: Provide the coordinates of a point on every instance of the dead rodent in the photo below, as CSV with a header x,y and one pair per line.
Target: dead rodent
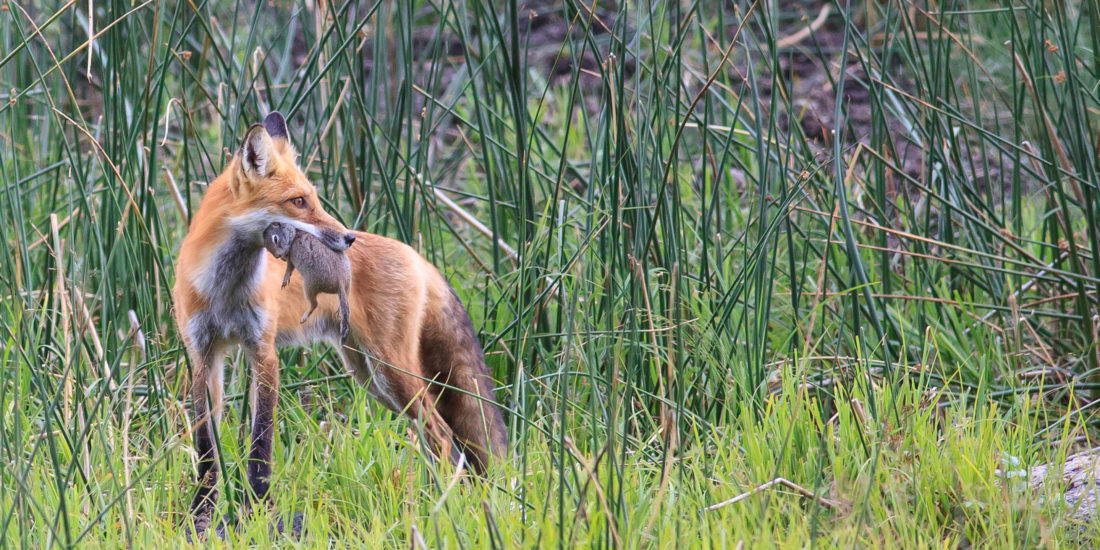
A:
x,y
323,269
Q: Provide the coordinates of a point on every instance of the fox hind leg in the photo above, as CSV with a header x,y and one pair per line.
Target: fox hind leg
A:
x,y
465,394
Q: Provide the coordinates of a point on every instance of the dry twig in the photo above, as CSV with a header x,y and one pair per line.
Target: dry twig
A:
x,y
830,504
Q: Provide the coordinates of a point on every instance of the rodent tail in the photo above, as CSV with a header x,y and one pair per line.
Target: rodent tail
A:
x,y
343,316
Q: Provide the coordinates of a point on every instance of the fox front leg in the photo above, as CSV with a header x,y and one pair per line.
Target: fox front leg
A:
x,y
203,416
265,394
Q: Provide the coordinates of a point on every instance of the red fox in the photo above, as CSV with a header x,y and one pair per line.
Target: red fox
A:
x,y
410,339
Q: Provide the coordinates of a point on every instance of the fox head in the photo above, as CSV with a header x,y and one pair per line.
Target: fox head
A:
x,y
268,187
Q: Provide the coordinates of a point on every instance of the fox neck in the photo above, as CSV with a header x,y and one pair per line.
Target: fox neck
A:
x,y
229,279
232,274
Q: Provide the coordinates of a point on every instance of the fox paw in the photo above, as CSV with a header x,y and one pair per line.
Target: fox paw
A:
x,y
290,526
201,528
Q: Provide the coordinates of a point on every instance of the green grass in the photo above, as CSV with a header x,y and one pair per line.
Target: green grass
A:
x,y
683,296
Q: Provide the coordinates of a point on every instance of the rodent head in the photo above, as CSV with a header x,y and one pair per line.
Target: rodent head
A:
x,y
277,239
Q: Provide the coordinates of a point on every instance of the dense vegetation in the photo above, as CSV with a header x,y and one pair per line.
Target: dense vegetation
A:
x,y
689,279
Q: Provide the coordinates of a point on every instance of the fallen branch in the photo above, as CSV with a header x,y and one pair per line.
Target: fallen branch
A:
x,y
805,32
60,224
830,504
474,222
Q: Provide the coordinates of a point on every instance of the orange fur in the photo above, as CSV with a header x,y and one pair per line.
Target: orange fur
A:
x,y
410,339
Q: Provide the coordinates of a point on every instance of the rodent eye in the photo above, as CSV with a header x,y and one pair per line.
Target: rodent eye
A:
x,y
300,202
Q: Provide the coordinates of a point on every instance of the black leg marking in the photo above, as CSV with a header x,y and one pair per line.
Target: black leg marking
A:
x,y
259,459
207,493
293,521
265,380
206,496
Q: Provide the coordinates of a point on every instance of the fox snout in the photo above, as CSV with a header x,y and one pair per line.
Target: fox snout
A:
x,y
338,241
331,232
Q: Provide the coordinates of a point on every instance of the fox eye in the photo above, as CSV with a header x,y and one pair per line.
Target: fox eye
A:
x,y
300,202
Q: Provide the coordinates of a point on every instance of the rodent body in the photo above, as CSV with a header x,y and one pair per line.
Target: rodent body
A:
x,y
323,269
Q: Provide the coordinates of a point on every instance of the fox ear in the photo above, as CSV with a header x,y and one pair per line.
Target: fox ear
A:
x,y
275,125
257,153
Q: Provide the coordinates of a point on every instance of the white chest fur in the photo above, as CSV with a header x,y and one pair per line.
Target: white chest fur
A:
x,y
229,281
